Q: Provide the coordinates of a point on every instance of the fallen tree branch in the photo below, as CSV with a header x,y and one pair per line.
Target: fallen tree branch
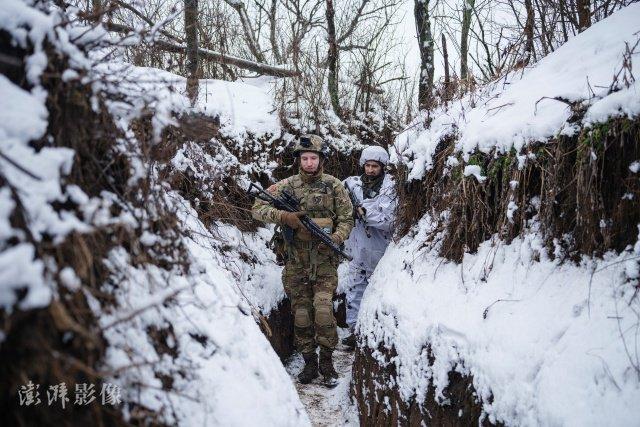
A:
x,y
270,70
220,58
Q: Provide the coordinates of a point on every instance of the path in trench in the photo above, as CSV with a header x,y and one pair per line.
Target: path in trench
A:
x,y
327,407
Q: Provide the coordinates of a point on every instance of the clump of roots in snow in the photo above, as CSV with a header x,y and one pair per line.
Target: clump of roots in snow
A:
x,y
579,190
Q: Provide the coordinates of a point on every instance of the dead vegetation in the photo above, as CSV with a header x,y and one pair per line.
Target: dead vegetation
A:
x,y
60,343
579,189
374,387
64,342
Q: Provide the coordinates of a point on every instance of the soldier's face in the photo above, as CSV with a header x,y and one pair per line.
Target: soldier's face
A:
x,y
309,162
372,168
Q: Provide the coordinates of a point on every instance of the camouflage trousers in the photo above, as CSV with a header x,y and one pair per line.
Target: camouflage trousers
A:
x,y
310,279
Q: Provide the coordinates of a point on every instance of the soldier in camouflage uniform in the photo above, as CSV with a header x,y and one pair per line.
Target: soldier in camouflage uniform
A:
x,y
310,273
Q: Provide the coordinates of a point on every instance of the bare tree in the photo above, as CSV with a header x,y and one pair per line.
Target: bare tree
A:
x,y
425,43
467,13
248,31
191,32
332,58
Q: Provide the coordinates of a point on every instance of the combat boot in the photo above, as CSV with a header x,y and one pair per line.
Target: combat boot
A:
x,y
329,374
310,371
350,342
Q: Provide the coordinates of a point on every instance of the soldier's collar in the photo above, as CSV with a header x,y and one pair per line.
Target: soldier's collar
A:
x,y
308,178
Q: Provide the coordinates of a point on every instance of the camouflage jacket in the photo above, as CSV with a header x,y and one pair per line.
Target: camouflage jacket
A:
x,y
321,196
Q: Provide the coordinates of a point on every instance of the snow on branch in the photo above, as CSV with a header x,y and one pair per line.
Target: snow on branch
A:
x,y
210,55
258,67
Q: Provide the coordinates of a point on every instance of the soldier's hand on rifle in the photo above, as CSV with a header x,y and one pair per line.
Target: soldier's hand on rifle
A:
x,y
273,189
292,219
336,239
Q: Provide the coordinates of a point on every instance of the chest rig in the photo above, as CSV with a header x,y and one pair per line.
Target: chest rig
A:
x,y
317,198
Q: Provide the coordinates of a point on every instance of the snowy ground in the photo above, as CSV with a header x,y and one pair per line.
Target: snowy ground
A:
x,y
327,407
546,343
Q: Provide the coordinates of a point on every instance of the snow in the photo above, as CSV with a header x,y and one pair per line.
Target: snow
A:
x,y
243,107
36,178
225,371
207,363
20,271
260,282
531,104
545,340
24,118
546,343
230,374
185,343
474,170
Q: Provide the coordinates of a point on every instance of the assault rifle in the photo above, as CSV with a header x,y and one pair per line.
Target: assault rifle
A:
x,y
289,203
358,210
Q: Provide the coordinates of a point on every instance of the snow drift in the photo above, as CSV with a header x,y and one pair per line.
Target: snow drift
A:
x,y
108,273
544,329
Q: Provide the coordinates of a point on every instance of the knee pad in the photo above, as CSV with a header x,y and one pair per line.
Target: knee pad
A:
x,y
324,316
302,318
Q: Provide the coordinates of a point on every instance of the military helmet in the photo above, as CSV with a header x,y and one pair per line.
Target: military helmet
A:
x,y
312,143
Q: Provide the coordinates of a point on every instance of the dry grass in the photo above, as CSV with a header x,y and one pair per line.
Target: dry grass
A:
x,y
579,188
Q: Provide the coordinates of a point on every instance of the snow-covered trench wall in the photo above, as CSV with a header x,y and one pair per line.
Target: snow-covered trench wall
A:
x,y
121,282
514,298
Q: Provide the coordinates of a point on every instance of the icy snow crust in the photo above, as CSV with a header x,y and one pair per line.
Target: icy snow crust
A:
x,y
519,108
551,350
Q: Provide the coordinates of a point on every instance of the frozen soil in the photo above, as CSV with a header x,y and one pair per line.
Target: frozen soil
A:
x,y
327,407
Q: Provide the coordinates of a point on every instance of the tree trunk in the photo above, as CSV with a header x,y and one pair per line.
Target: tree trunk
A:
x,y
447,78
332,59
191,30
528,32
96,8
425,43
272,32
584,14
467,13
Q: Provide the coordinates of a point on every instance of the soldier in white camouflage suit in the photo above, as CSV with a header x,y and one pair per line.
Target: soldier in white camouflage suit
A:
x,y
375,195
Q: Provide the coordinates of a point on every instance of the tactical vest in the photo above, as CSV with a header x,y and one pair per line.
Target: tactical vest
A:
x,y
317,199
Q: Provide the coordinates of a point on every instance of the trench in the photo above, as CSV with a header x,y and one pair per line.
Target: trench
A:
x,y
327,407
367,393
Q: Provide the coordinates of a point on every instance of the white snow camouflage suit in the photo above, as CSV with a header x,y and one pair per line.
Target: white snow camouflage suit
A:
x,y
367,251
